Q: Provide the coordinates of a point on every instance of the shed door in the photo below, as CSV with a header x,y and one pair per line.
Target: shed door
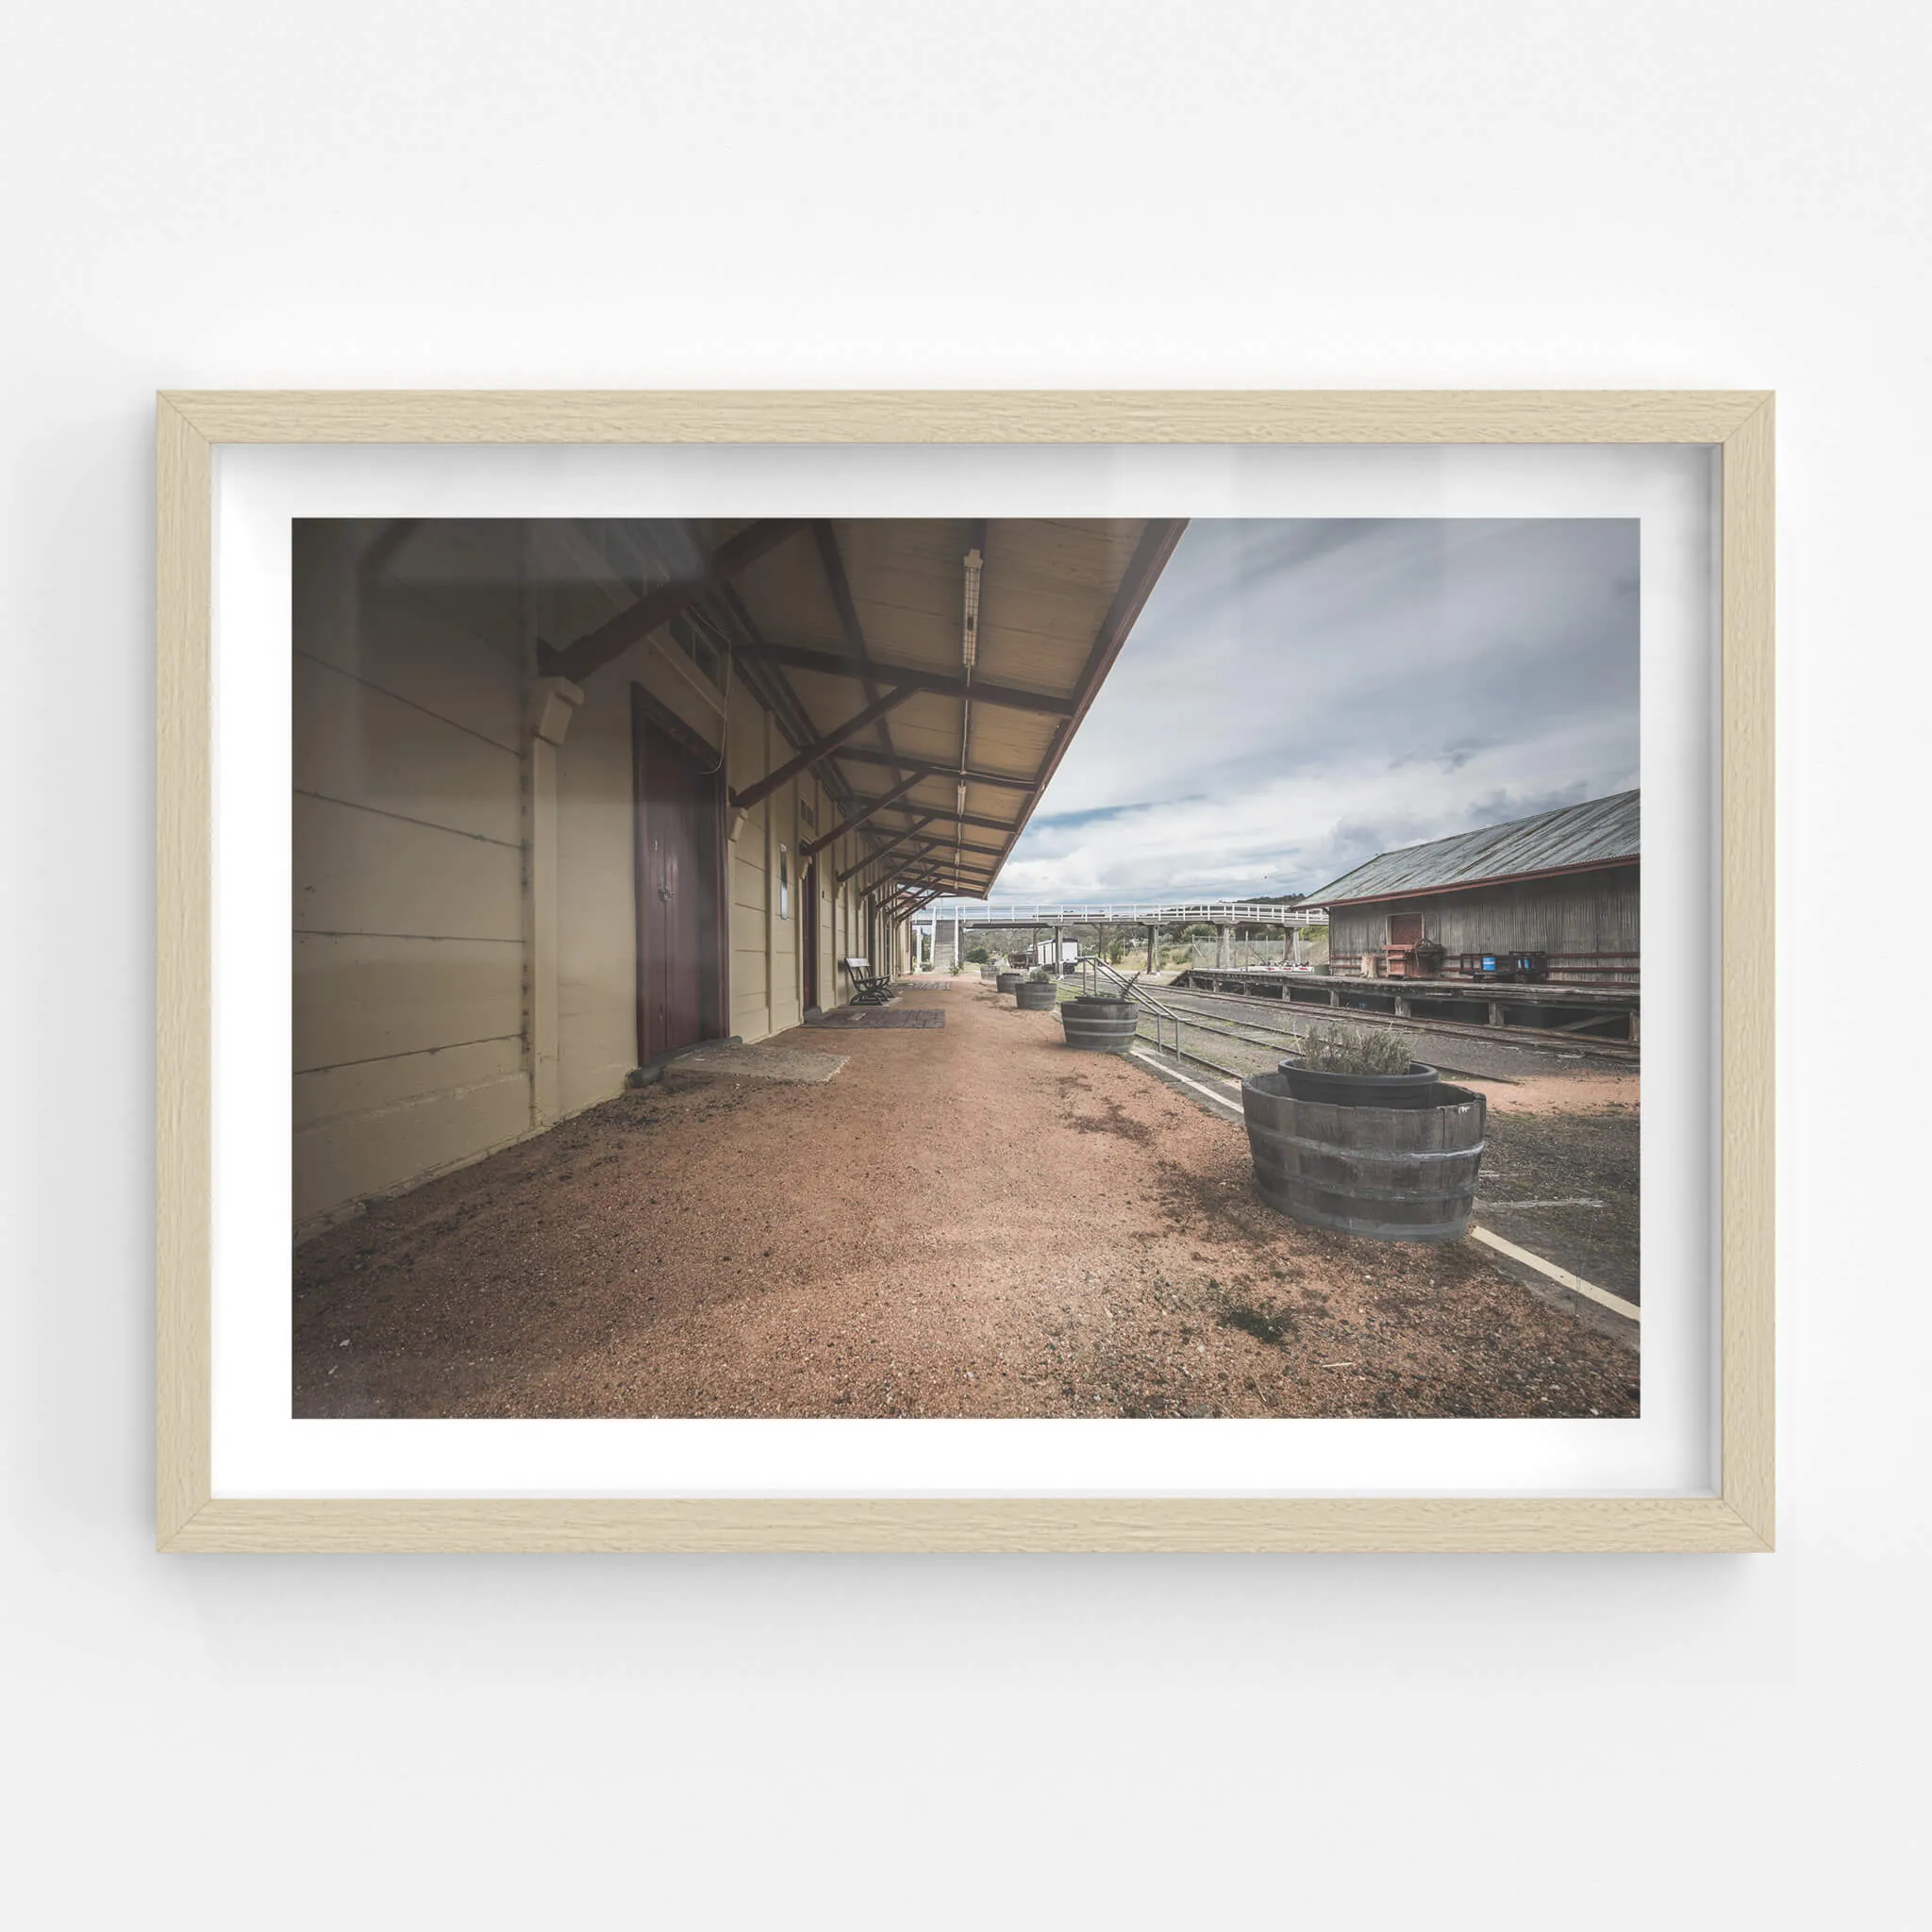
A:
x,y
1404,928
677,892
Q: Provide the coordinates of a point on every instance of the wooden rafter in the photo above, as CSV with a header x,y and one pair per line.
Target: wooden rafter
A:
x,y
827,540
956,818
1009,781
943,845
828,663
865,808
594,649
873,858
819,749
919,873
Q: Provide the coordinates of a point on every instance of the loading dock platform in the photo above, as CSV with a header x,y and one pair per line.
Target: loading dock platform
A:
x,y
1601,1015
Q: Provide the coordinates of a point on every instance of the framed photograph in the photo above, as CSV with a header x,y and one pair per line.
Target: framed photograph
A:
x,y
965,970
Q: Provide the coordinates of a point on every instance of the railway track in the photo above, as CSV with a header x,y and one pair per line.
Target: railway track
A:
x,y
1535,1036
1276,1039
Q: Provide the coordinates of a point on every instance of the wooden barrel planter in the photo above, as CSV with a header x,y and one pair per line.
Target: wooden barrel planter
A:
x,y
1415,1088
1012,982
1098,1026
989,973
1037,995
1393,1173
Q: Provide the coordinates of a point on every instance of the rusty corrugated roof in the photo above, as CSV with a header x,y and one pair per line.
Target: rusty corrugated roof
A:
x,y
1604,831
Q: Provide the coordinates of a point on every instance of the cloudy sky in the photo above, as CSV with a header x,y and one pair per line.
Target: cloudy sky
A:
x,y
1300,696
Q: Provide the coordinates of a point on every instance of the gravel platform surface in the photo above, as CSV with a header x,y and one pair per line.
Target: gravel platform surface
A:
x,y
968,1222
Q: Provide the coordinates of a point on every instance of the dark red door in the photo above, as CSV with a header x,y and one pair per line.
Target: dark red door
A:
x,y
809,933
677,892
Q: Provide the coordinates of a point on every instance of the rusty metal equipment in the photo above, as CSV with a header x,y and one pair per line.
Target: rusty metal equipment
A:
x,y
1421,960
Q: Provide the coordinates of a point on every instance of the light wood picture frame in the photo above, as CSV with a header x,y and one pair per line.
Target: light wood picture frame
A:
x,y
192,426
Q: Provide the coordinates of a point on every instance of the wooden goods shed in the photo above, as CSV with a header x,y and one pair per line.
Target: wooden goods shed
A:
x,y
1563,883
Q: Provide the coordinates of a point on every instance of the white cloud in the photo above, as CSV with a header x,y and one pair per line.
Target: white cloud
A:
x,y
1298,696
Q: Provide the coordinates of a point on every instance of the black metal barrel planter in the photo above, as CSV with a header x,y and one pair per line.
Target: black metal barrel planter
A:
x,y
1403,1169
1100,1026
1012,982
1036,996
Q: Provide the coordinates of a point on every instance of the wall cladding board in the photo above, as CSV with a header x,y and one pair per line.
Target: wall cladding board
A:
x,y
748,878
748,982
470,572
382,1147
329,1094
596,893
361,872
748,932
408,982
356,743
351,615
361,998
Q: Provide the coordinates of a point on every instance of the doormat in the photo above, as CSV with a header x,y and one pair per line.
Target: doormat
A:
x,y
880,1017
721,1061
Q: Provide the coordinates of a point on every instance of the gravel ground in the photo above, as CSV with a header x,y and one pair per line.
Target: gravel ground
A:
x,y
966,1221
1564,1184
1562,1175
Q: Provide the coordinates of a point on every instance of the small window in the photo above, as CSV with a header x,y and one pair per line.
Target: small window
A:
x,y
784,882
691,640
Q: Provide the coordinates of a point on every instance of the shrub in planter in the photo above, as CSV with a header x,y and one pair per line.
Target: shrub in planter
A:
x,y
1359,1138
1036,993
1360,1066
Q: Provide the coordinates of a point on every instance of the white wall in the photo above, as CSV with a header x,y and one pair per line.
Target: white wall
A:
x,y
1472,192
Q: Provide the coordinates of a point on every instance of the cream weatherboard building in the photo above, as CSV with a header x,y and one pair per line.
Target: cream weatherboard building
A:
x,y
571,797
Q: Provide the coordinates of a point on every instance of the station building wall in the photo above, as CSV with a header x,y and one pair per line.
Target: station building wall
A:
x,y
464,945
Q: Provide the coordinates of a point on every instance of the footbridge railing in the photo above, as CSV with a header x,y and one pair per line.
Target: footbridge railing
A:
x,y
971,912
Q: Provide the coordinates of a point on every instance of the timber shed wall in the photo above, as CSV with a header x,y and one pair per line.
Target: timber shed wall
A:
x,y
1591,912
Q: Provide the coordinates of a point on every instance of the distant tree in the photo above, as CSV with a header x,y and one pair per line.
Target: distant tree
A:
x,y
975,956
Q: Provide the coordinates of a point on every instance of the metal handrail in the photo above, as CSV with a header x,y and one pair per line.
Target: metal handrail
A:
x,y
1130,989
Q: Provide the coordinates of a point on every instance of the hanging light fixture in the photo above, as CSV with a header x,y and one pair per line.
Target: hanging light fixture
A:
x,y
969,652
969,643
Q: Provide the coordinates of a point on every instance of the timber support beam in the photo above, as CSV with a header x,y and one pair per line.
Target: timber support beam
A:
x,y
872,857
830,664
610,640
819,750
953,818
1010,781
867,807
